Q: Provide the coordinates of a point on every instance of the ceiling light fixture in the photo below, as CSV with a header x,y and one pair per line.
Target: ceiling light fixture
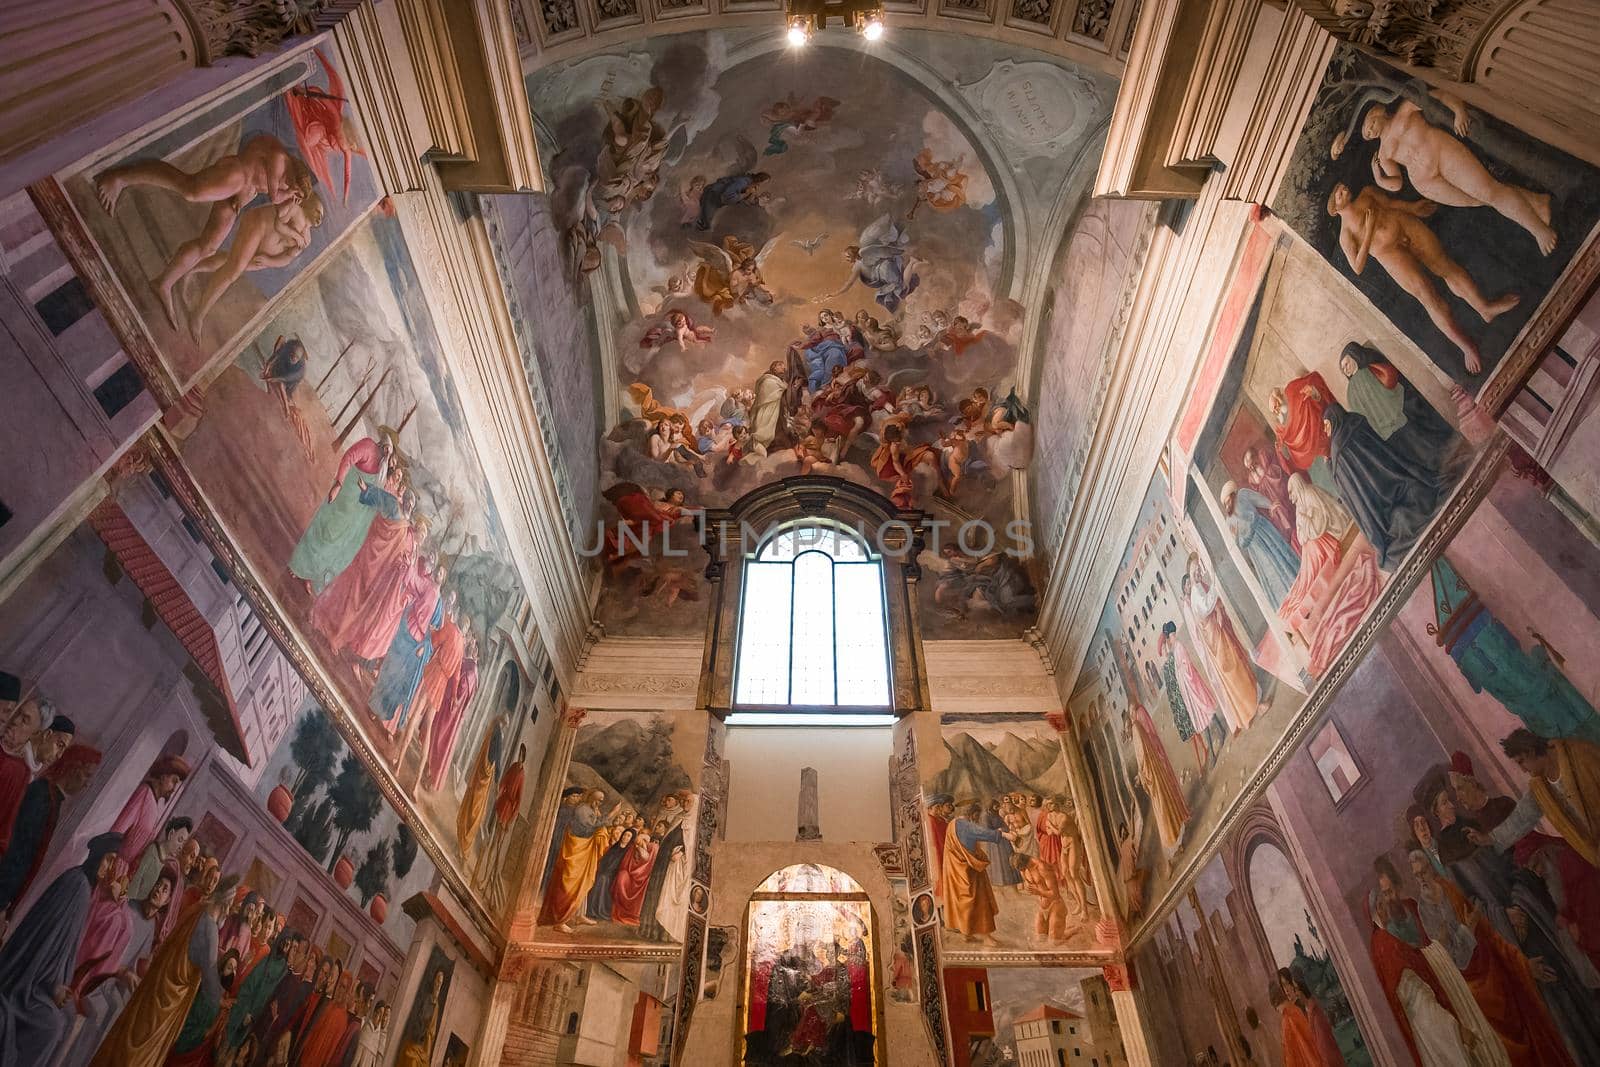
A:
x,y
805,17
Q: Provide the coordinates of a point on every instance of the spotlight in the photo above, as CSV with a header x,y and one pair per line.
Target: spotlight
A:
x,y
799,31
872,30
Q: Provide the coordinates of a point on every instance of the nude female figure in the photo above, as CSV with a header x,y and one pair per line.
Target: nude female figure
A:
x,y
1442,168
1376,225
269,235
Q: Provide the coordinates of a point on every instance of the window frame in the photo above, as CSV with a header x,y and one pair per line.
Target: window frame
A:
x,y
790,713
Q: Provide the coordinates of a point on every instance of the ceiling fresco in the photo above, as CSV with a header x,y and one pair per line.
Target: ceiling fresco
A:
x,y
789,276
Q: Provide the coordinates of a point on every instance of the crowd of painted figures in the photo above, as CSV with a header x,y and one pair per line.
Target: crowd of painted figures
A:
x,y
144,954
385,603
620,866
1344,491
1021,844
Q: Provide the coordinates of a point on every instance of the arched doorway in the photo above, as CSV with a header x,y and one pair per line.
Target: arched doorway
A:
x,y
810,993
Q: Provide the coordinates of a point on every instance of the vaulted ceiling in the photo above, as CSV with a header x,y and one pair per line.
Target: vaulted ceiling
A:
x,y
848,259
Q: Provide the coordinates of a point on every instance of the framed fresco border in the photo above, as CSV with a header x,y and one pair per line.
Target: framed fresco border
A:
x,y
163,457
1107,928
1553,316
881,925
109,292
1473,488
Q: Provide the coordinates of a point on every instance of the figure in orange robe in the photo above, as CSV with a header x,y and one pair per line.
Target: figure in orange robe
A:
x,y
969,904
1503,981
448,648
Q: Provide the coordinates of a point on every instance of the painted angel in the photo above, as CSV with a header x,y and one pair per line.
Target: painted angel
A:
x,y
940,184
880,260
743,184
322,127
678,327
635,145
793,113
730,273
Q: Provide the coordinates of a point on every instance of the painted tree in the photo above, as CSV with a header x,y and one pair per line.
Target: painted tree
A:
x,y
405,850
314,830
356,803
315,750
372,877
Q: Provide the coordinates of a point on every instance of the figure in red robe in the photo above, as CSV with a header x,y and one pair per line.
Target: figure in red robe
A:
x,y
633,879
360,610
1297,420
322,128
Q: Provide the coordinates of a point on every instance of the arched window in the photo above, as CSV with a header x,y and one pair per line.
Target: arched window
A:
x,y
813,631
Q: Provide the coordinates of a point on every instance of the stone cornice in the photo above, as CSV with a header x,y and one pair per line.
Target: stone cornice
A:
x,y
638,673
462,284
1155,88
1178,296
543,45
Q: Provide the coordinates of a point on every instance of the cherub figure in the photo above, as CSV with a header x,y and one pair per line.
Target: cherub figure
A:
x,y
730,273
1378,226
872,187
1440,166
940,184
677,327
883,337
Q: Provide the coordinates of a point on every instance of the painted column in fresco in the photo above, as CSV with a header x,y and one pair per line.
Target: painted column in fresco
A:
x,y
1132,1022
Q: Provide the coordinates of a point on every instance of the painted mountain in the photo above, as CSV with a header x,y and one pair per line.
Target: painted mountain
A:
x,y
980,770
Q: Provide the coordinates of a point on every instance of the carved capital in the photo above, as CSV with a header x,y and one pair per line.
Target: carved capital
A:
x,y
251,27
1441,34
1120,977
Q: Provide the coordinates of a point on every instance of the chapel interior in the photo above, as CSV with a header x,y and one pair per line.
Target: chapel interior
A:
x,y
800,533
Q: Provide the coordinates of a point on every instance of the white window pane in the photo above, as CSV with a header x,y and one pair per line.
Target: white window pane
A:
x,y
863,654
811,677
764,635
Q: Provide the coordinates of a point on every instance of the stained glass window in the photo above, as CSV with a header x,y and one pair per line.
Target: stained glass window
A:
x,y
812,630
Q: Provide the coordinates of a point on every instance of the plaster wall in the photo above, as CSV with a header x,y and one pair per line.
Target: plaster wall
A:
x,y
852,781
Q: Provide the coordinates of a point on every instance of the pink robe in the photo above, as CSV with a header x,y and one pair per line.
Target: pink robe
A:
x,y
447,723
360,610
105,936
633,878
137,823
1197,692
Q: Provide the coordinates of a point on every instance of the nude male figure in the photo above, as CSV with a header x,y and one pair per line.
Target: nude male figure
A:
x,y
1442,168
261,167
1376,225
269,235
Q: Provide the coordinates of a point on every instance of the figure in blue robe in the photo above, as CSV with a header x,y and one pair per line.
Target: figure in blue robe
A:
x,y
401,672
1268,552
37,960
1528,683
725,192
879,262
824,354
